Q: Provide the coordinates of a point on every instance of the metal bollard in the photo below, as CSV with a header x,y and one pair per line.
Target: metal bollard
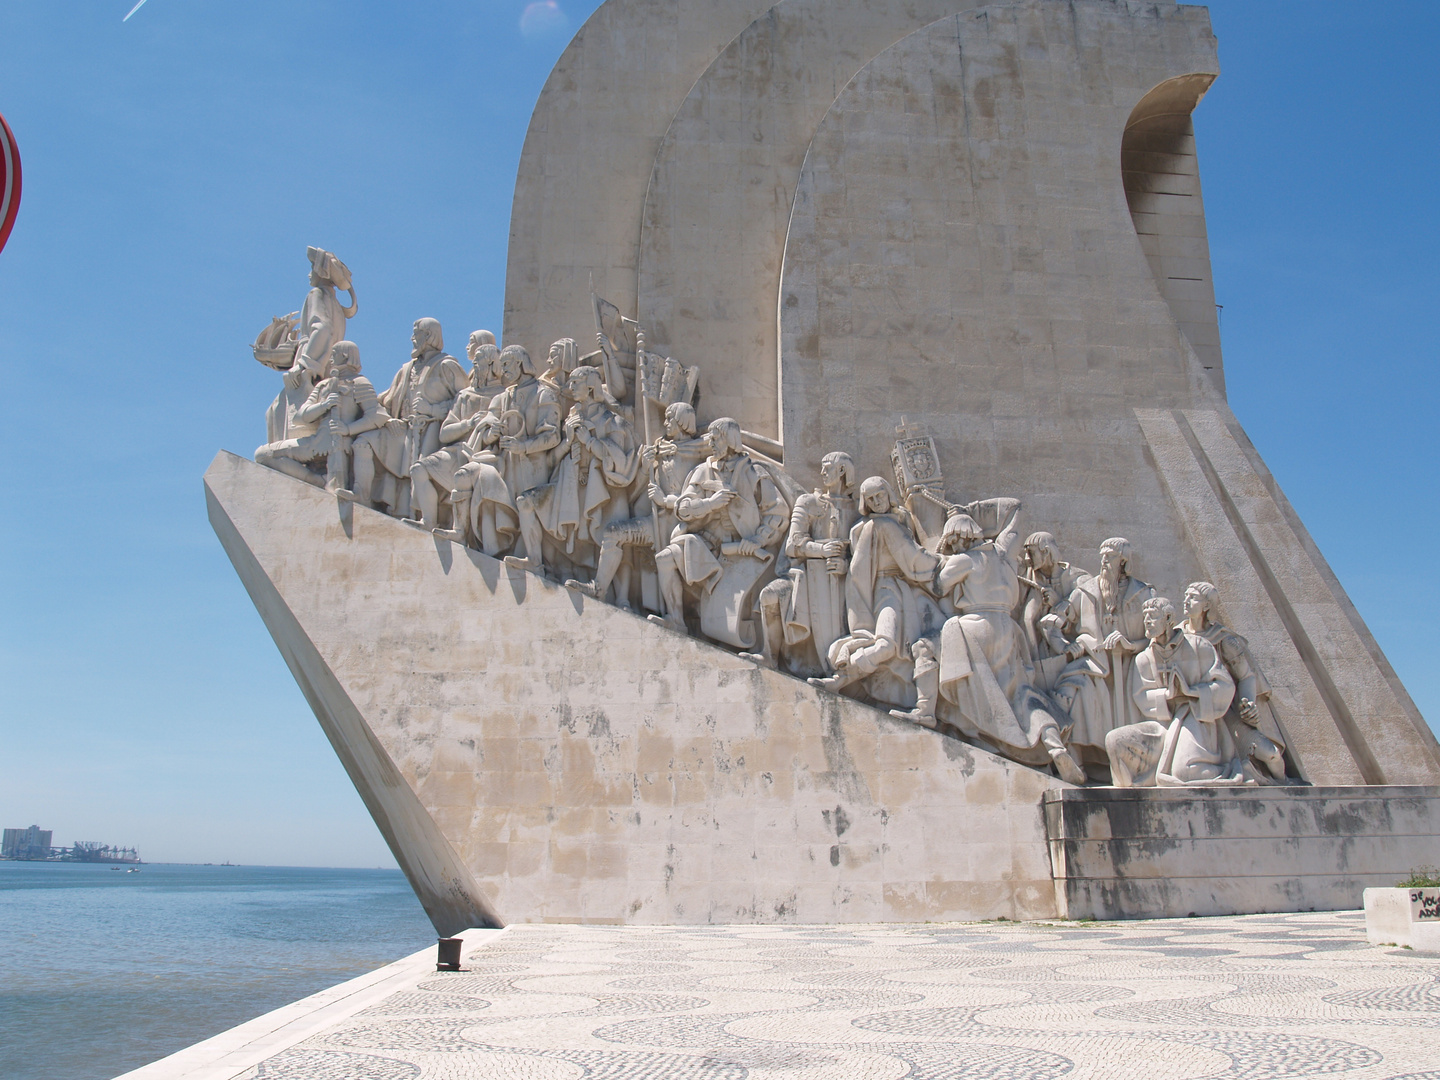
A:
x,y
449,954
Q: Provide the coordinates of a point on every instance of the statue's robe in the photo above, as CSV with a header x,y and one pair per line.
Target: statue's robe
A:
x,y
436,380
1251,685
588,489
1197,748
756,511
1089,677
815,604
985,672
529,412
886,606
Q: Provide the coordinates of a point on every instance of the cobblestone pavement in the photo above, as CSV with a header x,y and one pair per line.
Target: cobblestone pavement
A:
x,y
1257,997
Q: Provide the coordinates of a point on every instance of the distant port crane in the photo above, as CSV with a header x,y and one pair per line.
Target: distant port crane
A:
x,y
33,845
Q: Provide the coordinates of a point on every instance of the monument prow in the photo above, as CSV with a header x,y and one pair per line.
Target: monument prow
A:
x,y
577,762
900,239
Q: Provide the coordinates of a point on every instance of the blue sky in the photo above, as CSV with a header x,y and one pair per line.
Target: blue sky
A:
x,y
177,165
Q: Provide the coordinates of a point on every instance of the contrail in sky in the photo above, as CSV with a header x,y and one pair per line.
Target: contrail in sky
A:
x,y
134,9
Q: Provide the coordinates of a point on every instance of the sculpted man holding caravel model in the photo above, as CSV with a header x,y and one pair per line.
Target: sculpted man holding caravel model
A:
x,y
959,628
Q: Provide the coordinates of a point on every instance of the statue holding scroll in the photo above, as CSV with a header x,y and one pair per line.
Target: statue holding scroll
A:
x,y
418,401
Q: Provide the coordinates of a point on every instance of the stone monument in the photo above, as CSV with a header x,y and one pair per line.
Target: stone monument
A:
x,y
831,586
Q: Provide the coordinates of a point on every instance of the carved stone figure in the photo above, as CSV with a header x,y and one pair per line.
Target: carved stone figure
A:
x,y
562,359
299,344
1045,582
669,461
1251,719
1104,623
341,406
516,437
482,351
434,476
984,670
731,514
591,481
803,613
885,602
1181,685
418,401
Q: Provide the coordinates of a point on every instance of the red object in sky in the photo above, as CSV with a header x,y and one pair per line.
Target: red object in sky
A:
x,y
9,181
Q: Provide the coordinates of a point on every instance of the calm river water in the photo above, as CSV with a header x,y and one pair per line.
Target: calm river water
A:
x,y
102,971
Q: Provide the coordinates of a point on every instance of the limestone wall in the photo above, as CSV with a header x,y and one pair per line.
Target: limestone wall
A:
x,y
1169,853
585,764
962,253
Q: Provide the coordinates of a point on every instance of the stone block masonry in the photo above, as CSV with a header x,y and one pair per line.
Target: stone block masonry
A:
x,y
576,762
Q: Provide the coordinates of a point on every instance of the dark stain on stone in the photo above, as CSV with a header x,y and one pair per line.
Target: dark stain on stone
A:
x,y
843,773
834,854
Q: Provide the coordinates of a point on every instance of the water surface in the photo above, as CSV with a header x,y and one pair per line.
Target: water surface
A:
x,y
102,971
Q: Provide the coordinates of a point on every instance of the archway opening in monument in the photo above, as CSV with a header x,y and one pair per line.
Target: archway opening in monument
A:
x,y
1162,187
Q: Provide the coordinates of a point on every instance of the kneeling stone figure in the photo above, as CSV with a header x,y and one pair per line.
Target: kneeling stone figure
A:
x,y
1180,682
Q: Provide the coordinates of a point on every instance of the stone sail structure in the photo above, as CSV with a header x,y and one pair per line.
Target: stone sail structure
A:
x,y
977,227
986,219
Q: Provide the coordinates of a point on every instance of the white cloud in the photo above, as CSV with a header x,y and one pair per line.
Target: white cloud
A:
x,y
542,18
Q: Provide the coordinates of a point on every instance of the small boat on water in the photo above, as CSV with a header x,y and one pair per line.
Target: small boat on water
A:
x,y
132,870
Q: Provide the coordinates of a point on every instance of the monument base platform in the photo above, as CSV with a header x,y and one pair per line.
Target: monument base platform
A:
x,y
1132,853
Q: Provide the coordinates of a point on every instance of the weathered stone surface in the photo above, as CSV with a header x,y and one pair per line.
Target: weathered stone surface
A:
x,y
588,155
1168,852
585,764
732,156
961,252
1406,917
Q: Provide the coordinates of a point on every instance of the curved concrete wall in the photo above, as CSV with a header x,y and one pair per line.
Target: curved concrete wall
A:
x,y
588,155
713,231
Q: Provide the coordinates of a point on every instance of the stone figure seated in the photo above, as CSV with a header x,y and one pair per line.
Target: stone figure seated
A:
x,y
1250,719
983,683
433,476
417,402
1099,628
589,487
887,606
668,462
1181,685
731,514
341,406
803,613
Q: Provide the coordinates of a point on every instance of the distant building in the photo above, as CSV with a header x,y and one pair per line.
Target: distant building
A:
x,y
31,843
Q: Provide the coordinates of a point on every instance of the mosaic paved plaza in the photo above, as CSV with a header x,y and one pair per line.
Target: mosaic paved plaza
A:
x,y
1250,998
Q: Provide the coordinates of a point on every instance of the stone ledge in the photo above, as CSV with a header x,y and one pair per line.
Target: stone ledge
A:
x,y
1145,853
